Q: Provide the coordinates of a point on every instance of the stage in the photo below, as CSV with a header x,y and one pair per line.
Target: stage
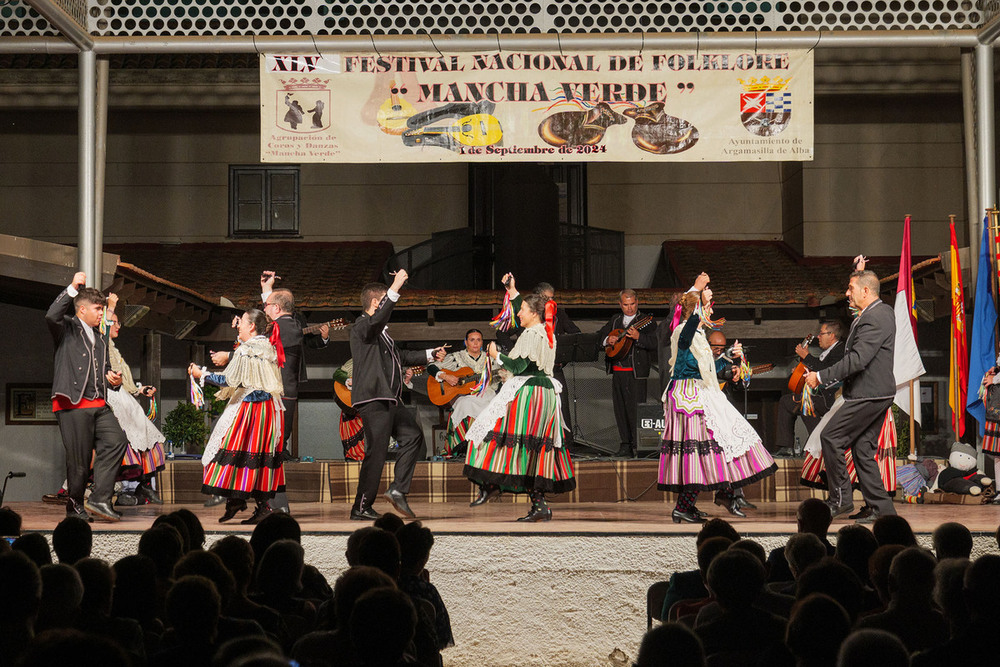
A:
x,y
571,590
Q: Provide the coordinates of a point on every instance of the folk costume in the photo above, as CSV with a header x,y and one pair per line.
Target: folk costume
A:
x,y
352,432
516,443
707,444
465,409
144,455
243,456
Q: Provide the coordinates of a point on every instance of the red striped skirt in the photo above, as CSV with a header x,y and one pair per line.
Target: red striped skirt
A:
x,y
136,464
352,436
247,464
814,470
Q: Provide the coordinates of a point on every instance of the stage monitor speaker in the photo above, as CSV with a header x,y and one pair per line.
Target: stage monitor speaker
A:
x,y
649,418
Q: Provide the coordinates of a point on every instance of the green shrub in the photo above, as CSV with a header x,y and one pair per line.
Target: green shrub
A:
x,y
185,427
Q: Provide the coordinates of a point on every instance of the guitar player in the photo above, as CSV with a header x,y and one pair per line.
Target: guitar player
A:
x,y
790,405
629,372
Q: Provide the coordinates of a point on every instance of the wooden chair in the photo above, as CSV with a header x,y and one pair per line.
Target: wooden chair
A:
x,y
654,601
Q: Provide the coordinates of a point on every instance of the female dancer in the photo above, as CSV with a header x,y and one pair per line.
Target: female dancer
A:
x,y
243,454
144,455
707,444
516,441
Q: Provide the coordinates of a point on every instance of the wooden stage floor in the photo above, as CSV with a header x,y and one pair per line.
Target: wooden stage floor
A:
x,y
643,518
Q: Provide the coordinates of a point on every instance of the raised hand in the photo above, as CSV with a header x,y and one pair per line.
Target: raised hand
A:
x,y
267,279
79,280
701,282
509,283
399,278
112,301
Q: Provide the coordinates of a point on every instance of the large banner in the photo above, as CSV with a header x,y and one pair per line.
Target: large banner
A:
x,y
539,107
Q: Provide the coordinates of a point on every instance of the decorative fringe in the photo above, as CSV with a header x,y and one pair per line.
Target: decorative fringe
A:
x,y
484,381
808,408
705,314
151,412
505,317
744,372
196,395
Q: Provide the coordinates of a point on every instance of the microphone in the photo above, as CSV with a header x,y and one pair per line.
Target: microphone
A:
x,y
16,474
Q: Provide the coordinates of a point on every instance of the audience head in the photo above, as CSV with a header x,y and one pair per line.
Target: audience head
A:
x,y
670,644
803,550
982,587
194,527
380,548
893,529
716,528
855,545
135,586
351,585
389,521
708,551
354,541
873,647
735,578
237,555
72,540
163,545
35,547
279,573
949,593
72,647
415,542
193,608
817,627
952,540
275,526
381,626
878,569
98,586
752,547
911,576
180,525
210,566
10,522
21,584
833,578
236,652
813,516
62,593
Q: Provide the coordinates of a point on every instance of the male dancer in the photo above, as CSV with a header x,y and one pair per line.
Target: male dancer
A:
x,y
81,378
377,395
869,389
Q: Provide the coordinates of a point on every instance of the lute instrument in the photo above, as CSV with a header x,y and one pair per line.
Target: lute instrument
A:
x,y
797,381
442,393
623,345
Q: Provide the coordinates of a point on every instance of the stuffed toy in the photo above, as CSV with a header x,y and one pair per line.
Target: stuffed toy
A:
x,y
917,478
961,475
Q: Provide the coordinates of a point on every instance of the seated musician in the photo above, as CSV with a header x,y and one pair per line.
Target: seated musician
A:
x,y
352,434
790,406
464,408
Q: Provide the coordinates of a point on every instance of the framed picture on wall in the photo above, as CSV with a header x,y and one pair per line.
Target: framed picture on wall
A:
x,y
29,404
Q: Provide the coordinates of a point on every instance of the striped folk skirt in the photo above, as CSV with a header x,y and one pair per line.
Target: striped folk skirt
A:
x,y
457,444
991,440
692,460
352,436
137,463
247,463
519,453
814,470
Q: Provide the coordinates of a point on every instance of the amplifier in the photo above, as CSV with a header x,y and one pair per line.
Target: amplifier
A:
x,y
649,427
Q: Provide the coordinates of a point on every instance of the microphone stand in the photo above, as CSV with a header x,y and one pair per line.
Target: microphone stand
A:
x,y
3,491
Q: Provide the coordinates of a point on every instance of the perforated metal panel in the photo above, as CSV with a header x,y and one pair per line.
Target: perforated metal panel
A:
x,y
378,17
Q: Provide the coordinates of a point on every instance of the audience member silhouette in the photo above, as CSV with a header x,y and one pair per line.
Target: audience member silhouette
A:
x,y
382,627
949,592
193,607
73,647
689,585
816,628
389,521
415,542
282,526
685,611
180,525
135,595
833,578
10,522
870,648
670,645
95,609
801,551
35,547
813,517
72,540
878,573
240,652
162,545
62,593
952,540
210,566
279,586
893,529
21,584
236,554
195,530
855,546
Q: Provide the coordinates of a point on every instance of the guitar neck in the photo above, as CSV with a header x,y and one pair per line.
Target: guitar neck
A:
x,y
334,325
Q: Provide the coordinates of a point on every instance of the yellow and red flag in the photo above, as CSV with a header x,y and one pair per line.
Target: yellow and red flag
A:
x,y
958,376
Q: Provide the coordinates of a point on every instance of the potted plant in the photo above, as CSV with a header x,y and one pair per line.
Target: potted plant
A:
x,y
185,426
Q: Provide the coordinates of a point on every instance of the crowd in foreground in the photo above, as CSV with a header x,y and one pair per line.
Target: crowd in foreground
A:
x,y
236,604
873,598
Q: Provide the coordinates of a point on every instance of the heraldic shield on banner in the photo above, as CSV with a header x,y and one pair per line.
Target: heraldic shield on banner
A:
x,y
302,105
765,105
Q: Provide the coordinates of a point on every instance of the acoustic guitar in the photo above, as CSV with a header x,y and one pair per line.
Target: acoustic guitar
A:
x,y
756,369
624,343
442,393
335,325
476,130
343,392
394,112
798,378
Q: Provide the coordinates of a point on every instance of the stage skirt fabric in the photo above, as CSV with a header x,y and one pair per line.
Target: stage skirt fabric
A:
x,y
690,457
519,452
456,445
814,470
138,463
352,435
247,463
991,441
144,455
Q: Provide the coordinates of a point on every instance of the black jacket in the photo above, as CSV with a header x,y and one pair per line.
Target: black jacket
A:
x,y
826,394
866,369
377,359
294,371
639,354
77,364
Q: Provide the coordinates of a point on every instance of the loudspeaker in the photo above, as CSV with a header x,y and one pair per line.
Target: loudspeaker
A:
x,y
649,427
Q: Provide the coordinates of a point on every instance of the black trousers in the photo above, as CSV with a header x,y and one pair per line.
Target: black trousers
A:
x,y
626,391
280,500
788,411
856,427
380,419
86,430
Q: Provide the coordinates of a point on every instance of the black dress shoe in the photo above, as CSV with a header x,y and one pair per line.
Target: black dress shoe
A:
x,y
365,514
214,500
697,512
102,511
398,500
687,517
863,513
149,493
837,510
232,509
74,508
258,515
871,517
487,492
732,505
743,503
537,514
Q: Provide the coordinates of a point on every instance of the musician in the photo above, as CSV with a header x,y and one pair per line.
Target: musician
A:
x,y
869,389
81,378
727,371
377,396
464,408
352,434
628,373
279,306
790,405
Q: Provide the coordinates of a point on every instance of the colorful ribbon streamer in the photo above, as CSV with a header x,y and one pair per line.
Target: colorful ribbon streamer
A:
x,y
705,314
505,317
196,395
485,381
808,408
151,412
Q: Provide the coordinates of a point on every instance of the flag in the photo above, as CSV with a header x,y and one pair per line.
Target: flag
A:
x,y
984,319
958,375
907,364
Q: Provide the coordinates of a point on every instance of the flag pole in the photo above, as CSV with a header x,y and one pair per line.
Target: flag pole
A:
x,y
994,229
913,439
